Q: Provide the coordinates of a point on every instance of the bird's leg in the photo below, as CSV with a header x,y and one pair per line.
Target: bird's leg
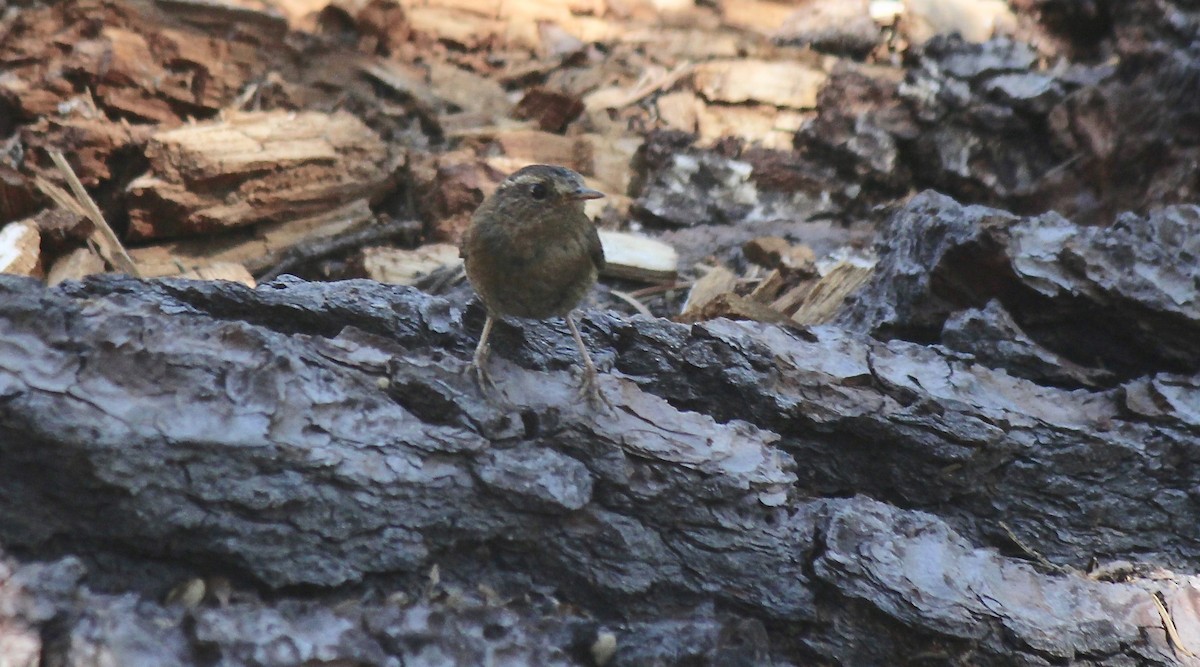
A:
x,y
479,361
589,387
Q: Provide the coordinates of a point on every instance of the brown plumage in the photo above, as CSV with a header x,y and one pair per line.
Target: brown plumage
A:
x,y
532,252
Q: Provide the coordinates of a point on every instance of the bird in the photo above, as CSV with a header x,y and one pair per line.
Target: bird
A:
x,y
531,252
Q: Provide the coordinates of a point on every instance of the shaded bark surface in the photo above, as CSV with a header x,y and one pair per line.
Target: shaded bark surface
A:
x,y
764,495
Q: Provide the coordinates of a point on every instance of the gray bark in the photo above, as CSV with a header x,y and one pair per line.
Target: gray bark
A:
x,y
751,492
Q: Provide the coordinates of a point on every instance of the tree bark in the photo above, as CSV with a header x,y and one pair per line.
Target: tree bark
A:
x,y
786,496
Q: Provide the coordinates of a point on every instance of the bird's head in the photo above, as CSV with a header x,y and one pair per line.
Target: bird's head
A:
x,y
538,191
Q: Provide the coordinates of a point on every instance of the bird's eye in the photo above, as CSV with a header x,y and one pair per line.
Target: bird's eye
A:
x,y
538,191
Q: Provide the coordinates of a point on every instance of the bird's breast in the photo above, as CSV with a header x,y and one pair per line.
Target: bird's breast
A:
x,y
531,270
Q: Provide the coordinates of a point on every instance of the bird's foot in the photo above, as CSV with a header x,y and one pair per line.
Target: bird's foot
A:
x,y
589,388
482,377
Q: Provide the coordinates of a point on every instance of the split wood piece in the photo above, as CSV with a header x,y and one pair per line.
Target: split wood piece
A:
x,y
607,158
839,26
975,20
719,280
679,110
612,157
762,16
478,23
824,298
20,252
619,97
62,229
406,267
733,306
257,248
230,271
774,252
138,64
92,141
16,195
534,146
679,44
407,80
552,110
213,14
262,167
780,83
466,29
468,91
75,265
638,258
769,287
103,235
763,124
311,250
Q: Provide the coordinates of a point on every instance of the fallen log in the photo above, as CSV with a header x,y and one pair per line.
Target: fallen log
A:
x,y
323,433
777,494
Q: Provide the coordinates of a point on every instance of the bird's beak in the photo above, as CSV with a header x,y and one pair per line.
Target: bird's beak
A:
x,y
585,193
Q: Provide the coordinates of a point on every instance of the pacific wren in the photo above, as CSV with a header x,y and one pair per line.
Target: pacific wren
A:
x,y
532,252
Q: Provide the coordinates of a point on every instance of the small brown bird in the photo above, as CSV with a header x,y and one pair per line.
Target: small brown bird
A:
x,y
532,252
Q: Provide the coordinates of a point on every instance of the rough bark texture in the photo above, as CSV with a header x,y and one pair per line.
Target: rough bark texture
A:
x,y
826,496
988,458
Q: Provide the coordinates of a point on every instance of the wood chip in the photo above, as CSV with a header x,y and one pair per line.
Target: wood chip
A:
x,y
762,16
612,162
463,28
618,97
826,296
639,258
19,248
75,265
768,288
719,280
467,90
256,248
766,251
736,307
780,83
1169,625
974,20
774,252
230,271
405,267
270,167
407,80
552,110
536,147
679,110
16,194
104,236
763,124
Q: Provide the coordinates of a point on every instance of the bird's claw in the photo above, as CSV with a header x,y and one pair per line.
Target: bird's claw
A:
x,y
482,378
589,388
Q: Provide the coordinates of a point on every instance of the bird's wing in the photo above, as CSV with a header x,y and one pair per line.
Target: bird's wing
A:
x,y
594,247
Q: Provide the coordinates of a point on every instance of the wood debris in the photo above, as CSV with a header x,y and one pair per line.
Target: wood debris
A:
x,y
638,258
821,300
75,265
797,291
781,83
19,248
258,167
406,267
717,281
